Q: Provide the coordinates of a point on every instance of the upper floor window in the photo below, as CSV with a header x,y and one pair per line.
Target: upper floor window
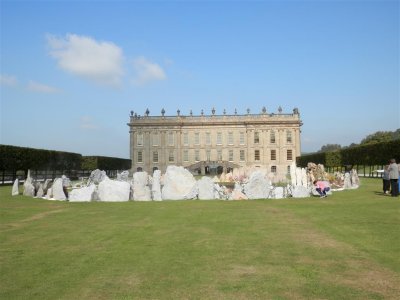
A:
x,y
288,136
197,138
256,137
230,138
140,139
272,137
208,138
186,138
197,155
241,138
219,138
208,155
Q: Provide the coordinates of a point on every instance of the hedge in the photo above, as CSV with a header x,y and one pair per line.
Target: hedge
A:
x,y
372,154
105,163
23,158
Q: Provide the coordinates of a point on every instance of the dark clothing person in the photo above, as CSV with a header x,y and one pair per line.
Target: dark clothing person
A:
x,y
394,178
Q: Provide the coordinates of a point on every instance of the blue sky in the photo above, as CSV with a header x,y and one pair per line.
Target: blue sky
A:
x,y
71,71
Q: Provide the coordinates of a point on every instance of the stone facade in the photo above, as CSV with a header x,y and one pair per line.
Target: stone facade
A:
x,y
214,143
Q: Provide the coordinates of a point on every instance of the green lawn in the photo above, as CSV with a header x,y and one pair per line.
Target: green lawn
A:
x,y
346,246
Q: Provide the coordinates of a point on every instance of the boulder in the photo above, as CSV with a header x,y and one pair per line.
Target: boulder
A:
x,y
141,189
113,191
300,191
58,191
206,188
179,184
156,186
83,194
15,188
257,187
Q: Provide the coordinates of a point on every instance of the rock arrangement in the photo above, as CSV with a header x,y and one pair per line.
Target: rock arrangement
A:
x,y
179,184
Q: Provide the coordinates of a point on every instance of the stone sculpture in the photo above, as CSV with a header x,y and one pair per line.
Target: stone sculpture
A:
x,y
206,188
141,190
83,194
15,188
257,186
113,191
156,186
179,184
58,191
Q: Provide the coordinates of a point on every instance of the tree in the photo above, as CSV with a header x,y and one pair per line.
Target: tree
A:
x,y
378,137
330,147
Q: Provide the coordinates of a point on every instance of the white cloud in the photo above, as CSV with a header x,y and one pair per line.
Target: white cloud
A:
x,y
100,62
8,80
147,71
87,123
41,88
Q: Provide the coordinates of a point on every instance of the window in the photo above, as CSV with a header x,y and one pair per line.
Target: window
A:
x,y
208,138
289,155
196,155
273,169
241,138
219,155
219,138
186,139
186,155
208,155
230,158
155,156
256,137
170,139
140,156
156,139
256,155
171,156
288,170
230,138
272,137
241,155
197,138
273,154
289,136
140,139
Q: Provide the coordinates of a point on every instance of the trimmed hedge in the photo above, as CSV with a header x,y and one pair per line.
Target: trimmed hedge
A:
x,y
372,154
23,158
105,163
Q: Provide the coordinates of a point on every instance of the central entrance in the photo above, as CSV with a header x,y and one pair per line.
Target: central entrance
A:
x,y
212,167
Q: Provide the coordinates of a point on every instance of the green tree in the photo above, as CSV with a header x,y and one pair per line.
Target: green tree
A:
x,y
330,147
377,137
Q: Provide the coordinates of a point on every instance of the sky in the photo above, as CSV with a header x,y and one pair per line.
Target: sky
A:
x,y
71,71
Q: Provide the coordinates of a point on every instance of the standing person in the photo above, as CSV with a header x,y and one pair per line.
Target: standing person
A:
x,y
386,180
321,188
394,177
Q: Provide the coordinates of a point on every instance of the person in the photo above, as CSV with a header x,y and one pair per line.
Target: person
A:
x,y
386,180
321,187
394,178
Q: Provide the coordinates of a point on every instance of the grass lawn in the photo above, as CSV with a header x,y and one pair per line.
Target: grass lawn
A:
x,y
346,246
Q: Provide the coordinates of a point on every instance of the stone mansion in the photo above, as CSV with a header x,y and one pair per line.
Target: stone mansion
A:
x,y
212,144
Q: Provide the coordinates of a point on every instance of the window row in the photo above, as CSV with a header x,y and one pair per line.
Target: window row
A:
x,y
155,138
208,157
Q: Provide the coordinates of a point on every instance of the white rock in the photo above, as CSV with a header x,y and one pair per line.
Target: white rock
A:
x,y
179,184
58,192
206,188
300,191
15,188
257,187
40,192
156,186
279,192
141,190
83,194
113,191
